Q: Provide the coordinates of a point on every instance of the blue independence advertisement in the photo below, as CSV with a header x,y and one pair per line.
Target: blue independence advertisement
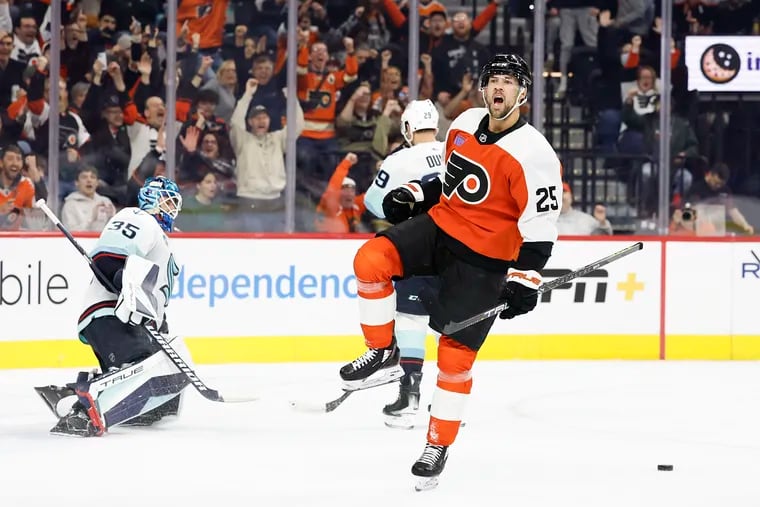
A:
x,y
293,283
272,287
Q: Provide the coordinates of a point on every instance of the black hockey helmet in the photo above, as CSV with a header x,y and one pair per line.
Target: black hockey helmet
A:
x,y
511,64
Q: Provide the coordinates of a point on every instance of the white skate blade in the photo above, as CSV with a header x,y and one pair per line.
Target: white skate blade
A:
x,y
69,435
379,378
426,483
403,421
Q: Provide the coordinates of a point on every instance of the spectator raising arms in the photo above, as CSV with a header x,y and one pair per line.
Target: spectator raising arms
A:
x,y
317,90
340,209
260,165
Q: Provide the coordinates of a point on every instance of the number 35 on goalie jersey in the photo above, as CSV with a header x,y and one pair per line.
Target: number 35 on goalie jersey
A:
x,y
498,191
131,231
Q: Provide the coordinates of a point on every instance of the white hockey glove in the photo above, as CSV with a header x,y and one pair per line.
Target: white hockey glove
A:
x,y
136,303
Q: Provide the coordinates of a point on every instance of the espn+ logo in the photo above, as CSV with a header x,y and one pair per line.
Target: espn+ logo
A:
x,y
598,277
721,63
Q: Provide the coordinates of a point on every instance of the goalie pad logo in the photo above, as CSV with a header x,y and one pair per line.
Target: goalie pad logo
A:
x,y
467,179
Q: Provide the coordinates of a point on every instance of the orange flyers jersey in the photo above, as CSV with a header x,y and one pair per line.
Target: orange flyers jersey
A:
x,y
321,91
206,17
21,192
499,190
21,195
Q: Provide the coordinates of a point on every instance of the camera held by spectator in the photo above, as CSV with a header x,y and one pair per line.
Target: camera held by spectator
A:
x,y
688,214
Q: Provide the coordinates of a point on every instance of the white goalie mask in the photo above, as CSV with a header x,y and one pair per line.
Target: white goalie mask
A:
x,y
418,115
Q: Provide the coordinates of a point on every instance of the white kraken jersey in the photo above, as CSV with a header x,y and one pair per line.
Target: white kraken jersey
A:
x,y
422,162
131,231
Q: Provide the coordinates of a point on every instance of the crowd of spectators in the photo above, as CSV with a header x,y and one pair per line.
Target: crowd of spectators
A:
x,y
612,50
352,61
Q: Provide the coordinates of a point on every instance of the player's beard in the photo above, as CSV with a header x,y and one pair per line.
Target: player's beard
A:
x,y
498,110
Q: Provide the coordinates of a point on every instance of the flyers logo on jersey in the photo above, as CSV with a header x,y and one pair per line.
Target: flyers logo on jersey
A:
x,y
465,178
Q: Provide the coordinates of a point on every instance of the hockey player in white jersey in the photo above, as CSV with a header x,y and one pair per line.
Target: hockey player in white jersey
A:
x,y
421,161
137,383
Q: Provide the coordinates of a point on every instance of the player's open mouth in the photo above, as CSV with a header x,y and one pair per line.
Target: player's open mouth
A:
x,y
498,100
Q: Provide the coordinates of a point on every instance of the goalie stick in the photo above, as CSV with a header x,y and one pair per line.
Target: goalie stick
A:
x,y
452,327
174,357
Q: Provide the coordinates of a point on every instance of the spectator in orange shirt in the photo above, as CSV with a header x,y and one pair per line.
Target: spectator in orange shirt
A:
x,y
317,91
16,190
341,210
206,18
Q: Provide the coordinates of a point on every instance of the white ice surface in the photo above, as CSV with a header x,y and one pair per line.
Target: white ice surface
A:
x,y
538,434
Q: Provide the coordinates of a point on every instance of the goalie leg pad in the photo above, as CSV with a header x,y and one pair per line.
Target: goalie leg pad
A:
x,y
151,417
136,389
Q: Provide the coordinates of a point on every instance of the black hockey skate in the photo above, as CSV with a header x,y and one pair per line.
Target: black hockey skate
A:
x,y
429,466
151,417
77,423
401,413
373,368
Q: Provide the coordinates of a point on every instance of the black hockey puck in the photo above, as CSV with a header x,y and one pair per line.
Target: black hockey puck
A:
x,y
665,468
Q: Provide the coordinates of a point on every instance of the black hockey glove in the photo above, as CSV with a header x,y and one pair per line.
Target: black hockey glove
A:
x,y
520,292
404,202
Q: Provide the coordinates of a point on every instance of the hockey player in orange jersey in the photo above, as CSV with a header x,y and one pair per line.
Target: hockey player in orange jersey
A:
x,y
486,230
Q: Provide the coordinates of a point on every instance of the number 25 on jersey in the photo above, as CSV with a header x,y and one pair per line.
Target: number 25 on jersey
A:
x,y
547,199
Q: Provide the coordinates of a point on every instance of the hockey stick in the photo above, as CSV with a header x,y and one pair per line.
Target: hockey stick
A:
x,y
305,406
453,327
329,406
174,357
